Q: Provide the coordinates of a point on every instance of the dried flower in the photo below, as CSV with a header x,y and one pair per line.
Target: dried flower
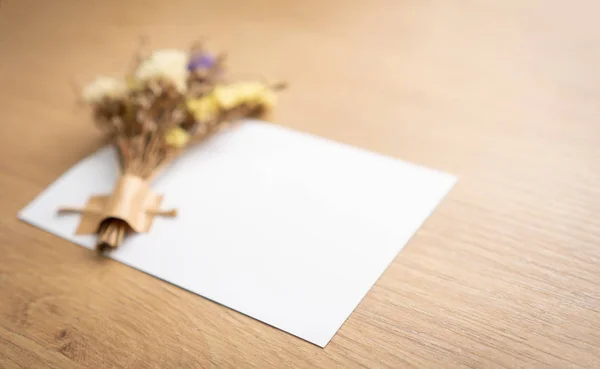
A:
x,y
251,93
177,137
170,65
154,113
203,109
201,61
103,87
132,83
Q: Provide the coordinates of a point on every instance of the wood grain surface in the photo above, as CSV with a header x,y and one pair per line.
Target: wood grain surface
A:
x,y
504,94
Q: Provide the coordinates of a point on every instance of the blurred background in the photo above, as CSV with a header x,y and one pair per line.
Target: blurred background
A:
x,y
406,78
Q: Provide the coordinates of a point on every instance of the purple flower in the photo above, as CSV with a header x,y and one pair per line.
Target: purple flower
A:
x,y
201,61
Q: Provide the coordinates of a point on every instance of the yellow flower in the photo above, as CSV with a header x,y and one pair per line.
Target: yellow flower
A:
x,y
252,93
177,137
227,97
204,108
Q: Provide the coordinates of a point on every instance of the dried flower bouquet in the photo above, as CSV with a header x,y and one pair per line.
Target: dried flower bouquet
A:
x,y
170,99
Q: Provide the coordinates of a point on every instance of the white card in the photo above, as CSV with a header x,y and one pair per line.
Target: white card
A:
x,y
285,227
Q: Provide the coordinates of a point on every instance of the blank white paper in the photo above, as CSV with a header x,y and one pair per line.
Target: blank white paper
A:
x,y
288,228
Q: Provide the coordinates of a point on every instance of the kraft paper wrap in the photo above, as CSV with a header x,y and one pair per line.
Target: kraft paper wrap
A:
x,y
131,201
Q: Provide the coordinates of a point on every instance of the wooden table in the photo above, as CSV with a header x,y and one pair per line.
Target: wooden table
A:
x,y
505,94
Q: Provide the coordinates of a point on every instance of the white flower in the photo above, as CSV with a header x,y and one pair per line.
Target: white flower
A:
x,y
168,64
104,87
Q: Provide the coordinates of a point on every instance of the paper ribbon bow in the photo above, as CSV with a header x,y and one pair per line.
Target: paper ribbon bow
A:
x,y
132,202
